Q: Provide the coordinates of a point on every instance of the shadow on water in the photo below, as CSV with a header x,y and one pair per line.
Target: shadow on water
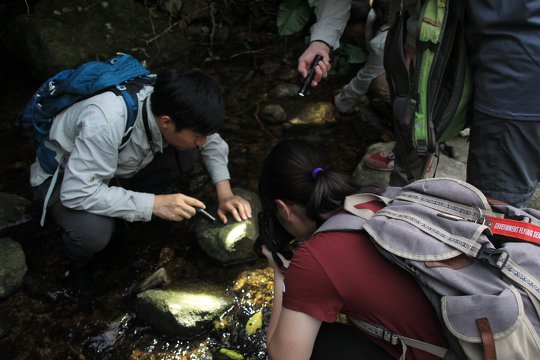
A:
x,y
44,321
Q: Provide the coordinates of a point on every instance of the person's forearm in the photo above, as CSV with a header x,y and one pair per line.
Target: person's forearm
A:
x,y
223,190
277,304
215,155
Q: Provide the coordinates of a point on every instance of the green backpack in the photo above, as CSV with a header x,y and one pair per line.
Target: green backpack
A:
x,y
430,105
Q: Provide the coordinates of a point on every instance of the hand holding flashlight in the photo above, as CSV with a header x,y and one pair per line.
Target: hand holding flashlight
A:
x,y
310,75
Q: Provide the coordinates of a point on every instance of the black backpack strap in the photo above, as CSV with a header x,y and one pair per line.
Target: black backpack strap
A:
x,y
129,90
399,81
394,58
147,127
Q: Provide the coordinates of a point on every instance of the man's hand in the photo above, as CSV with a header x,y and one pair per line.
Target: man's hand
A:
x,y
304,61
175,207
237,206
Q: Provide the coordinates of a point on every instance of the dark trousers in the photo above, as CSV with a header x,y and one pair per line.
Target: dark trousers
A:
x,y
503,160
338,341
83,233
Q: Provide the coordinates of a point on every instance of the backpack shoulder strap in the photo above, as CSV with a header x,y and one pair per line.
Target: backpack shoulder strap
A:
x,y
359,207
128,91
382,333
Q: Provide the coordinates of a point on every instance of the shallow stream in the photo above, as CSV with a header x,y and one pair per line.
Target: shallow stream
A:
x,y
51,324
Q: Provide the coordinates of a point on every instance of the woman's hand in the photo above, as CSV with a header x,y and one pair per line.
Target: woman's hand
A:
x,y
272,262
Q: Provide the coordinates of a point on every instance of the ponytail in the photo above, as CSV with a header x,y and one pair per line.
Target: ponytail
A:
x,y
298,172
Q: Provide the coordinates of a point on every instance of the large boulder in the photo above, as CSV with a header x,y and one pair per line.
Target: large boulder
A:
x,y
12,267
14,210
186,309
232,242
61,34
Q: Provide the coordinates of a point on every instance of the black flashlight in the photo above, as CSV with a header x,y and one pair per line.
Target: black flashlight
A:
x,y
310,75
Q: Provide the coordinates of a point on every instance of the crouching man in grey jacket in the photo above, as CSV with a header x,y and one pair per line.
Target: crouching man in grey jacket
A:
x,y
178,118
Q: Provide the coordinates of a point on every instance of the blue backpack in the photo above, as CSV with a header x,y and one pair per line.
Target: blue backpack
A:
x,y
121,74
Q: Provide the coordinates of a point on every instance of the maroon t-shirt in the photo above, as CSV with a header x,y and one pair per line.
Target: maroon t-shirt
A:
x,y
342,272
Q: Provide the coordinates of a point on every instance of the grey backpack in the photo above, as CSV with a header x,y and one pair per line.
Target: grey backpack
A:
x,y
478,265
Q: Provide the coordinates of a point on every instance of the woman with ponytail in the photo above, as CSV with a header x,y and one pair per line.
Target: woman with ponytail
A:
x,y
333,272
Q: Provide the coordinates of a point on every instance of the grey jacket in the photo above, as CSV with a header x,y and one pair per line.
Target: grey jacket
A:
x,y
332,17
88,135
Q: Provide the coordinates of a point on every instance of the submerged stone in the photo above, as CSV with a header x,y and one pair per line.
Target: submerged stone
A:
x,y
12,267
14,210
232,242
185,309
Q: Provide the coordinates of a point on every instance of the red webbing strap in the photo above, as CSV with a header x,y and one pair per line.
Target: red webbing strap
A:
x,y
514,228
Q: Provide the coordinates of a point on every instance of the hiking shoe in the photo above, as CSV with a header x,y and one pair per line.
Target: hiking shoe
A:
x,y
80,281
380,160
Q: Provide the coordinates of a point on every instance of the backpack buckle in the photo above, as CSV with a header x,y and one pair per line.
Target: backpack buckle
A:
x,y
390,337
494,257
483,221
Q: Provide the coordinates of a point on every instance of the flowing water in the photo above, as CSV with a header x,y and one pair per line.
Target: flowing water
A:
x,y
52,324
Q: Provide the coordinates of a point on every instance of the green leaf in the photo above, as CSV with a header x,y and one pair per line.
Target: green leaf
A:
x,y
354,54
293,15
231,354
313,4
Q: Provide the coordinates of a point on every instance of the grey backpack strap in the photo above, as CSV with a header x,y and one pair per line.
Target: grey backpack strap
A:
x,y
353,204
55,177
459,210
357,216
342,222
498,258
380,332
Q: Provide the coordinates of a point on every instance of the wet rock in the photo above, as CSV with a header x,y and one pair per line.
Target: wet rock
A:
x,y
269,68
273,114
64,33
158,278
230,243
289,74
284,90
12,267
172,7
317,113
4,327
186,309
14,210
111,335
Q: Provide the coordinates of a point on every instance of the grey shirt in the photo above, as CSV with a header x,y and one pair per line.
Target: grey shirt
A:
x,y
88,136
373,68
332,17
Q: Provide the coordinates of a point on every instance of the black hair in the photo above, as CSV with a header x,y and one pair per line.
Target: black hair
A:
x,y
190,98
359,11
288,174
382,13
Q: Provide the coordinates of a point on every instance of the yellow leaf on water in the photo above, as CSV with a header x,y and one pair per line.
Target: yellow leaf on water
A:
x,y
254,323
231,354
